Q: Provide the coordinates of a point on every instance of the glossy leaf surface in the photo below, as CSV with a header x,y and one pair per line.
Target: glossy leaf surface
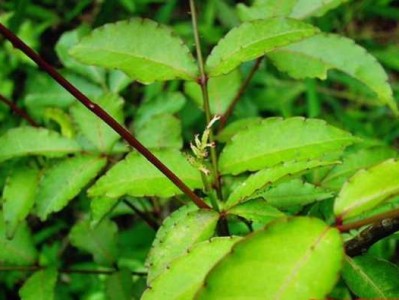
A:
x,y
179,232
253,39
279,262
367,188
135,176
275,140
143,49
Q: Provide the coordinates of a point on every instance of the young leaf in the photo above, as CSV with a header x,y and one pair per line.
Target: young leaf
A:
x,y
143,49
135,176
93,128
20,250
40,286
24,141
253,39
151,135
369,277
353,161
62,182
367,188
119,286
221,89
275,140
279,262
313,57
18,197
100,242
178,233
186,274
269,176
256,210
296,192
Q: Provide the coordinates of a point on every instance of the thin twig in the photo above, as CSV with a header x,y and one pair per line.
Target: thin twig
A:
x,y
102,114
150,222
20,112
203,82
240,92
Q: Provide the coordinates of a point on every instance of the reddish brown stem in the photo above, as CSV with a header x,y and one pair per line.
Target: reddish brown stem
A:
x,y
103,115
17,110
243,87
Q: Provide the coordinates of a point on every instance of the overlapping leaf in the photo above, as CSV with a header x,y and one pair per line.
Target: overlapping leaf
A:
x,y
25,141
64,181
313,57
275,140
253,39
135,176
279,262
143,49
367,188
179,232
40,286
256,210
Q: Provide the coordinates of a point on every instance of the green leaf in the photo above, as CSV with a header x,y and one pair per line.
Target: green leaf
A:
x,y
25,141
279,262
269,176
143,49
288,195
353,161
370,277
367,188
135,176
119,286
100,242
19,196
276,140
221,90
93,128
64,181
39,286
186,274
313,57
316,8
178,233
100,207
161,131
257,210
232,129
20,250
253,39
63,120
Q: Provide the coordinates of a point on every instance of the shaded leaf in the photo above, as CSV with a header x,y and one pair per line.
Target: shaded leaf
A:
x,y
143,49
119,286
367,188
275,140
370,277
62,182
26,141
286,256
304,8
253,39
93,128
256,210
18,197
185,274
39,286
179,232
100,207
135,176
100,242
313,57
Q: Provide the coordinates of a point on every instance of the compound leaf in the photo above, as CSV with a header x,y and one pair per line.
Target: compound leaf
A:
x,y
62,182
143,49
314,56
135,176
367,188
178,233
275,140
25,141
40,286
253,39
195,264
279,262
